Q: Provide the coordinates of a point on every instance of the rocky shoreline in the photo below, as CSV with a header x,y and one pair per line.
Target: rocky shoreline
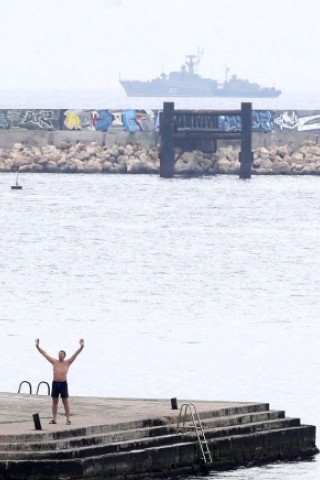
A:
x,y
135,159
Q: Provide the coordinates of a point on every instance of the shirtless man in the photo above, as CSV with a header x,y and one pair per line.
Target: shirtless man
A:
x,y
59,384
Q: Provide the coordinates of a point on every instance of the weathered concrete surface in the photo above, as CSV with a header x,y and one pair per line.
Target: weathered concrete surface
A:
x,y
17,410
115,136
118,136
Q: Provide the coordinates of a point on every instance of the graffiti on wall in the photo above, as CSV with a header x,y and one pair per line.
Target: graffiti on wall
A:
x,y
261,121
270,121
30,119
291,120
4,123
102,120
98,120
131,120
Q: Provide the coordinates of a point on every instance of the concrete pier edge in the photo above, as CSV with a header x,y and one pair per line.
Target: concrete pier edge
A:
x,y
132,438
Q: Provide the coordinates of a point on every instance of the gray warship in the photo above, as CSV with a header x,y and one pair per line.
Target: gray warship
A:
x,y
187,83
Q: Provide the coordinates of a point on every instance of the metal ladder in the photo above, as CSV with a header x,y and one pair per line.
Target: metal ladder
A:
x,y
198,427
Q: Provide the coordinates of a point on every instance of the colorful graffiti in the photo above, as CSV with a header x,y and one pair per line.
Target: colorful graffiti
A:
x,y
99,120
132,120
102,120
262,121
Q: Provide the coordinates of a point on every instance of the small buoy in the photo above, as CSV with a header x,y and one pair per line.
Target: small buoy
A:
x,y
16,186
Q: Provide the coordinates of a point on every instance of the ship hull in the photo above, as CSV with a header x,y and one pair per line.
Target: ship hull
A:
x,y
165,89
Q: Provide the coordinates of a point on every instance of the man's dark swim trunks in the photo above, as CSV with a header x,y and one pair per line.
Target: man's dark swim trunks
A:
x,y
59,388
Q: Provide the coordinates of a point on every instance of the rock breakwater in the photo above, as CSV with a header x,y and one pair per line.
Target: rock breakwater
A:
x,y
134,159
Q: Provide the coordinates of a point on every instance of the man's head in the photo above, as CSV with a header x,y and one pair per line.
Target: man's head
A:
x,y
62,355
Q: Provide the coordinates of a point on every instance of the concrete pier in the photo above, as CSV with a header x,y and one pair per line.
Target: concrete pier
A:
x,y
132,438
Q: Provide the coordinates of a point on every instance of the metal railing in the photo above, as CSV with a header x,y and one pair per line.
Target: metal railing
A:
x,y
30,386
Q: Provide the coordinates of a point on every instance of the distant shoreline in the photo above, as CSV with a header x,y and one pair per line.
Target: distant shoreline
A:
x,y
114,98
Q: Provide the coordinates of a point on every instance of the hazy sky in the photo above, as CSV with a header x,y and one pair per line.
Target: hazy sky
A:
x,y
89,43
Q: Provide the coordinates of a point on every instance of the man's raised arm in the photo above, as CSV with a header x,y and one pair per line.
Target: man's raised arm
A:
x,y
50,359
74,356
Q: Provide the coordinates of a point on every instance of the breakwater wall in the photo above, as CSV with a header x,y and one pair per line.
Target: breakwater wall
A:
x,y
119,134
128,141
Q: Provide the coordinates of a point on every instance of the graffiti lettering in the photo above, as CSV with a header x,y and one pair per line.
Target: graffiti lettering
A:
x,y
34,119
4,122
287,120
149,120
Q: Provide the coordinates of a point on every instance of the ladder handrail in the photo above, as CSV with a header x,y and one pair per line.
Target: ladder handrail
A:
x,y
30,386
197,424
25,381
46,383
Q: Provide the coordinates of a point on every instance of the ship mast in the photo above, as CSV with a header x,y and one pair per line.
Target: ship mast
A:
x,y
191,62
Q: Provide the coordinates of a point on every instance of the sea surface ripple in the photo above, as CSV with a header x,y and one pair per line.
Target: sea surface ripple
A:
x,y
202,288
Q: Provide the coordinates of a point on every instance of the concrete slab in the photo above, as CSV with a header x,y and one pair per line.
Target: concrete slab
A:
x,y
17,410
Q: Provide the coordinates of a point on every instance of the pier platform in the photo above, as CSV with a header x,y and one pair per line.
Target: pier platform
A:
x,y
132,438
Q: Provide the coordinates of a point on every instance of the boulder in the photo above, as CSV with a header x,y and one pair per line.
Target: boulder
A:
x,y
134,166
122,159
297,168
297,157
51,167
19,159
309,169
154,154
281,168
18,147
35,167
222,166
308,158
25,168
273,149
8,164
189,164
118,168
284,150
106,166
93,166
266,165
261,151
234,168
76,165
63,145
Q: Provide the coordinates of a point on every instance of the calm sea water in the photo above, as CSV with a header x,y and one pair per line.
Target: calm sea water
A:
x,y
204,288
114,99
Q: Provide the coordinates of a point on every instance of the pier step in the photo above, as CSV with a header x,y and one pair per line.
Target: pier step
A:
x,y
236,436
88,437
242,419
87,440
245,429
228,452
102,444
145,443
